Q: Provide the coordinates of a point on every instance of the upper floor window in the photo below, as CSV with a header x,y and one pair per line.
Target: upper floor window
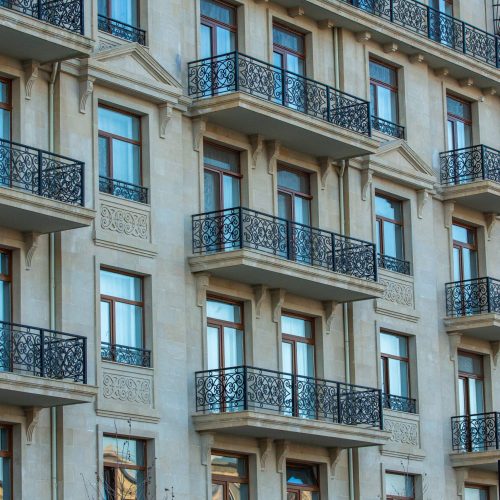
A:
x,y
289,50
122,318
399,486
125,474
125,11
5,111
218,28
294,195
222,177
302,482
465,264
120,153
476,492
384,91
5,285
470,383
444,6
229,476
459,123
389,217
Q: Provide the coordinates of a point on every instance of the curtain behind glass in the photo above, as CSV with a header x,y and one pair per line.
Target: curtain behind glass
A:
x,y
125,11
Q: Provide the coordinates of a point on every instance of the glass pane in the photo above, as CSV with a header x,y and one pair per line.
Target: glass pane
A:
x,y
295,181
229,466
4,124
130,484
398,377
4,93
451,136
206,41
287,353
471,493
393,240
399,485
461,396
306,476
102,7
295,64
476,396
386,104
217,492
305,359
388,208
285,206
223,311
292,495
463,135
225,40
213,348
124,11
233,347
470,364
296,326
238,491
4,264
221,158
104,157
302,210
469,264
121,286
309,495
382,376
123,451
5,479
5,301
4,439
463,234
383,74
105,321
395,345
277,59
218,12
288,39
211,191
458,108
120,124
128,325
231,187
126,162
457,272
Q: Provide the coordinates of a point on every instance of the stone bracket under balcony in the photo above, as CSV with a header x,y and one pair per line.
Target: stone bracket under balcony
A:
x,y
299,430
257,268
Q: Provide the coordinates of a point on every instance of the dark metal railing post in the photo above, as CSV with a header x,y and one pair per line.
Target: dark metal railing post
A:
x,y
245,389
236,72
483,163
82,169
464,45
288,240
497,51
375,264
82,18
381,409
328,106
497,438
40,173
488,293
429,31
391,10
240,222
42,355
334,261
283,100
339,411
39,9
84,360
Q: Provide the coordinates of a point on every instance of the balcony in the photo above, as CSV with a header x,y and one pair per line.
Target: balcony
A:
x,y
399,403
121,30
476,440
42,368
473,307
245,94
388,128
43,30
251,247
258,403
125,354
392,264
122,189
41,192
471,177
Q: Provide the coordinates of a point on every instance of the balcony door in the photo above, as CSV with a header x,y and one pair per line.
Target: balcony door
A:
x,y
459,123
465,264
218,28
5,285
5,110
442,24
383,93
124,11
298,361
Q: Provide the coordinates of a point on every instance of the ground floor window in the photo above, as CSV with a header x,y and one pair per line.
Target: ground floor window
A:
x,y
302,482
476,492
5,462
399,486
229,476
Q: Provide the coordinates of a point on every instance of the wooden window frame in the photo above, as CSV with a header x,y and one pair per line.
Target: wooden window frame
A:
x,y
450,117
292,193
9,453
380,219
225,480
397,497
116,466
215,23
385,357
460,245
109,3
378,83
112,300
481,487
8,106
283,51
466,376
8,277
297,488
221,172
109,137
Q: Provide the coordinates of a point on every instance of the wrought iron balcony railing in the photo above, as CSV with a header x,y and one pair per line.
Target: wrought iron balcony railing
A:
x,y
461,166
387,127
123,189
66,14
237,72
393,264
399,403
475,296
437,26
237,228
475,433
245,388
42,353
42,173
125,354
121,30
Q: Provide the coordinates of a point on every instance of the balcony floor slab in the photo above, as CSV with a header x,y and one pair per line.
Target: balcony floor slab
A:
x,y
257,268
481,460
300,430
483,196
480,326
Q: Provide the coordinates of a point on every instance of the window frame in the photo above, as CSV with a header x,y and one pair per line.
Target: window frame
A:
x,y
283,51
292,194
451,117
8,106
9,453
380,219
466,376
225,480
385,360
398,497
8,278
112,301
460,245
378,83
213,24
109,140
480,487
298,488
109,3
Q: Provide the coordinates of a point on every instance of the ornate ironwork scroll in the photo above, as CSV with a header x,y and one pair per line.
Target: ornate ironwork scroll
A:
x,y
121,30
399,403
479,432
393,264
475,296
387,127
123,189
125,354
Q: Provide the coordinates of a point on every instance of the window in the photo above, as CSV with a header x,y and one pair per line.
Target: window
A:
x,y
394,366
302,482
222,177
125,11
5,285
229,477
6,462
473,492
120,154
459,123
399,486
289,50
122,318
218,28
294,196
384,91
465,265
5,113
124,468
470,383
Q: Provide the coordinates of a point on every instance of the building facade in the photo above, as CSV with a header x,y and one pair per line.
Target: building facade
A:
x,y
248,249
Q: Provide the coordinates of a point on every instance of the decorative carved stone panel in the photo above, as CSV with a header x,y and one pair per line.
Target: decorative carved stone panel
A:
x,y
399,296
405,435
402,432
125,388
123,221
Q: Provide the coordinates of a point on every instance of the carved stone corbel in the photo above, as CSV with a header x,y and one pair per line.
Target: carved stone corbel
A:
x,y
295,11
202,284
199,128
206,442
86,89
329,308
449,207
491,220
259,292
390,47
495,352
265,446
489,91
441,72
273,151
30,246
334,455
422,198
416,58
326,24
32,414
256,147
282,447
165,112
454,339
30,75
277,299
366,182
466,82
462,474
325,165
363,36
